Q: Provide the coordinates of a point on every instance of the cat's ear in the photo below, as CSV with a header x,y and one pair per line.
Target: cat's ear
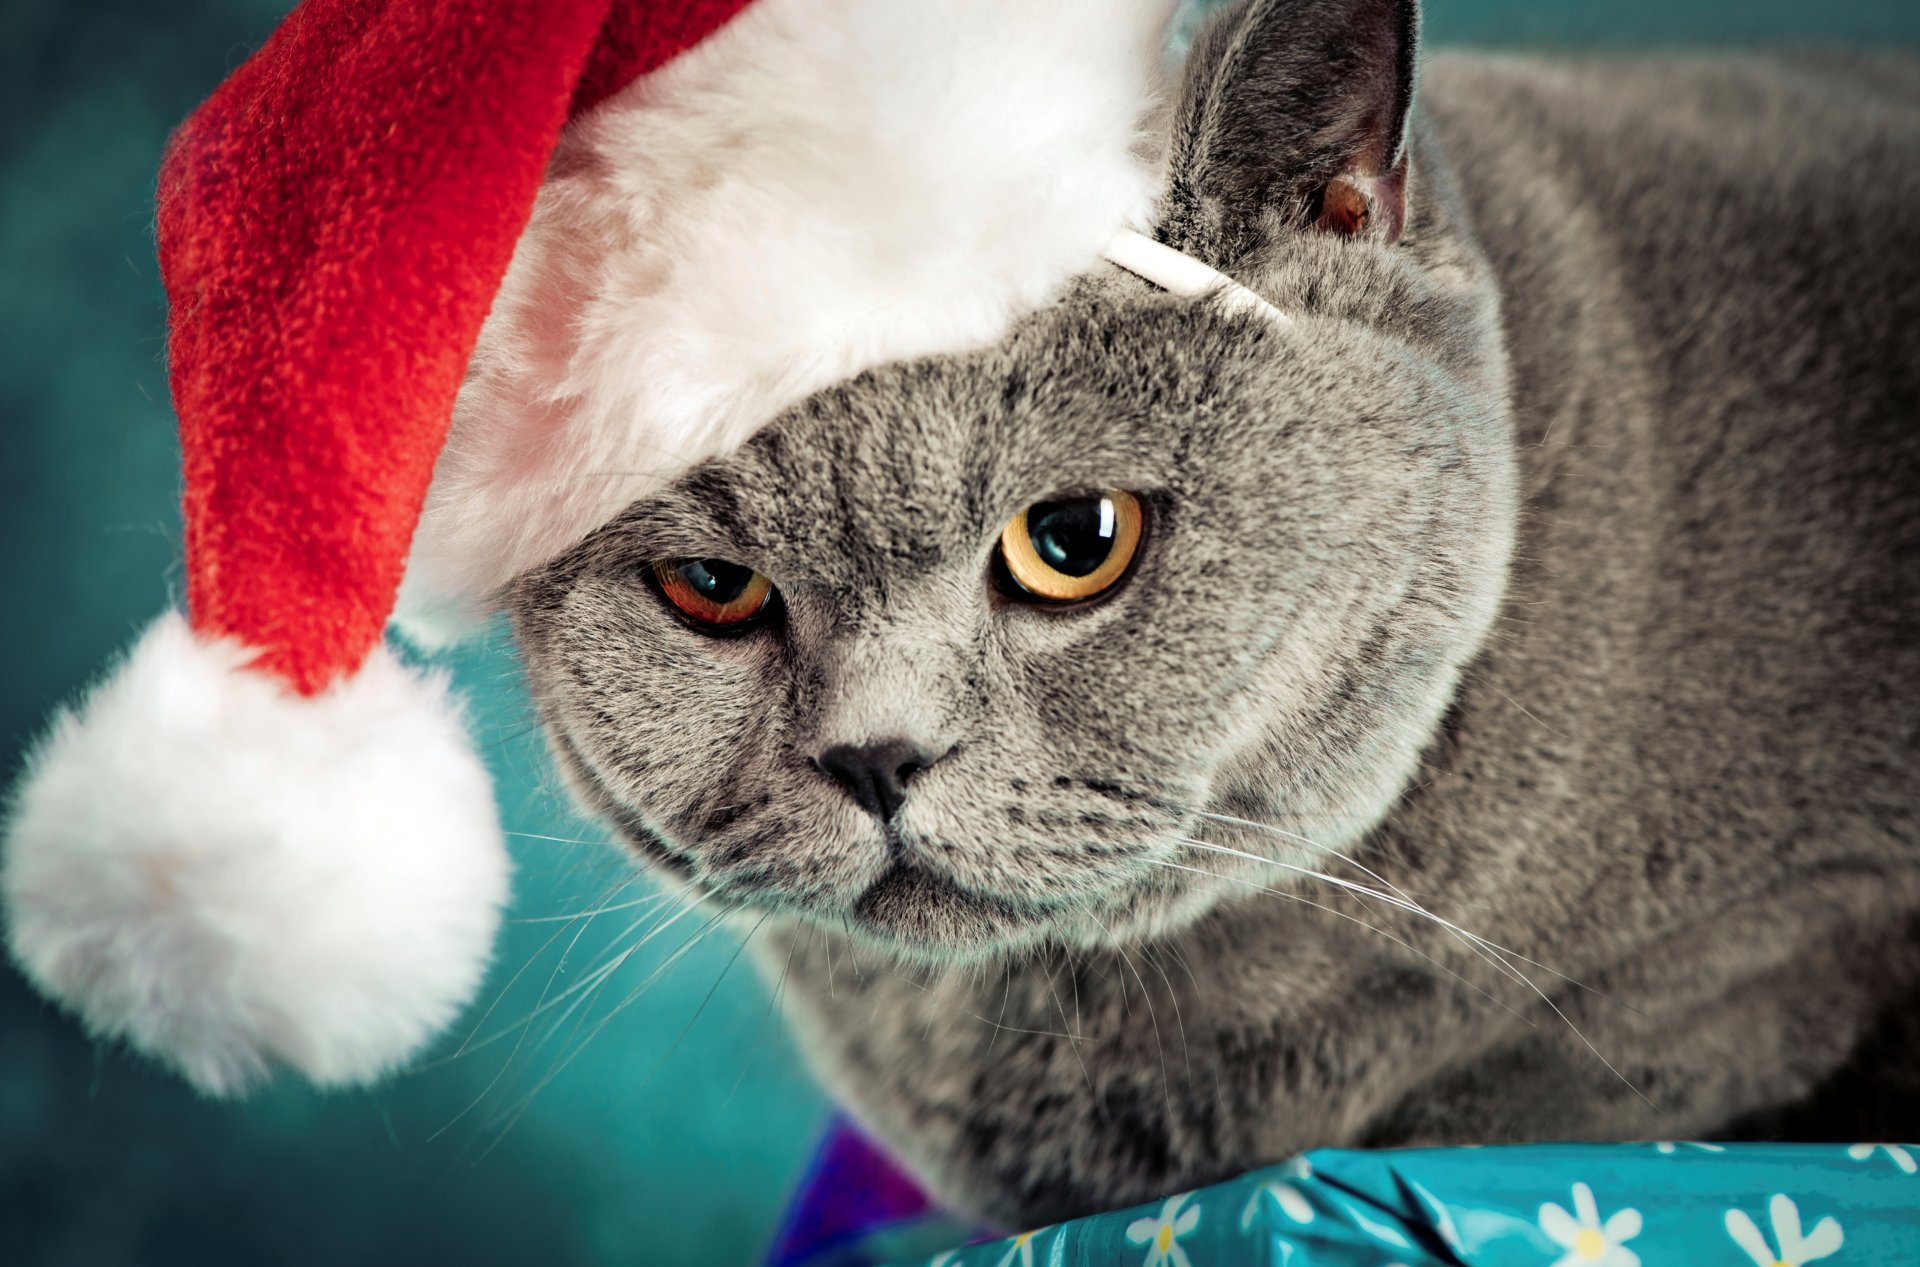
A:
x,y
1293,115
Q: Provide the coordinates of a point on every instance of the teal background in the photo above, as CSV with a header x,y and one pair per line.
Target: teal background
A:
x,y
673,1135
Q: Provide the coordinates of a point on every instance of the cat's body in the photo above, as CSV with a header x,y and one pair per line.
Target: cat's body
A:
x,y
1684,771
1676,757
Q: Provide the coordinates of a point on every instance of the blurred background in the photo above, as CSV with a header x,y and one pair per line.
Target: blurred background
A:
x,y
655,1113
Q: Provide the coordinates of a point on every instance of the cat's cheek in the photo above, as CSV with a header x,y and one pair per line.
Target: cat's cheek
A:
x,y
818,858
665,723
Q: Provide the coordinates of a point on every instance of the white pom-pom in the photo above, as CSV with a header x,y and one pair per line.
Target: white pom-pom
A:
x,y
231,877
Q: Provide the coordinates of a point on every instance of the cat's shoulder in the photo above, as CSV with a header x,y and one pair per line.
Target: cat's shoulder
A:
x,y
1675,143
1746,218
1786,103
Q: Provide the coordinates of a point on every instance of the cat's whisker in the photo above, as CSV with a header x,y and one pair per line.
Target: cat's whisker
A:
x,y
1315,848
933,1014
1006,993
1399,902
1074,1038
501,739
998,1026
1078,1026
773,1005
590,985
1409,947
1181,960
1159,1043
611,867
583,991
513,1113
558,840
1477,944
1402,893
1528,713
705,999
1506,951
1173,996
1022,1029
521,1028
1492,957
610,962
501,995
649,900
826,944
853,951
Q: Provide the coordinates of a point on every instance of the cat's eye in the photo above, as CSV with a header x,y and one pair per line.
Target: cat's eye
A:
x,y
714,592
1070,549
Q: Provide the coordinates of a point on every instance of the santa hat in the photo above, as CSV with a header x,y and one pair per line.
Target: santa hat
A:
x,y
451,283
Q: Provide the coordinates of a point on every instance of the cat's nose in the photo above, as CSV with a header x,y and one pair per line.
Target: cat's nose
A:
x,y
875,774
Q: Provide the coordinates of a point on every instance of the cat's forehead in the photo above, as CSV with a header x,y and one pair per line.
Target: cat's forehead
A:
x,y
918,459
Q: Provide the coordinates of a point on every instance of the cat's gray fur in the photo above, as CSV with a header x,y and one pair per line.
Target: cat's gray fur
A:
x,y
1558,565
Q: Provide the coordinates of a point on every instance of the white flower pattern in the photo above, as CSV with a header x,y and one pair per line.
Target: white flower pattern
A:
x,y
1793,1249
1385,1210
1588,1240
1898,1154
1162,1235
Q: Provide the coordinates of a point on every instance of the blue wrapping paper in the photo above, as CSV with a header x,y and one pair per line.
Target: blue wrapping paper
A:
x,y
1534,1205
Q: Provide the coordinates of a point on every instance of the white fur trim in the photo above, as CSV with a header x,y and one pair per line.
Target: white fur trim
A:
x,y
822,186
230,876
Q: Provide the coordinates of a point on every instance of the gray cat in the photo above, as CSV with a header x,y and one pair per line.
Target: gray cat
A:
x,y
1484,709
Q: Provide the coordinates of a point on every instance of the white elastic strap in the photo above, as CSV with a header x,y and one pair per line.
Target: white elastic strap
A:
x,y
1178,273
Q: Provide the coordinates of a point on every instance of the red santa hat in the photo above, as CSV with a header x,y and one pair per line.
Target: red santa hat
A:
x,y
451,282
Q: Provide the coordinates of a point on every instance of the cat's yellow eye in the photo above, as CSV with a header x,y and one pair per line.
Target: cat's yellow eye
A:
x,y
1072,548
713,592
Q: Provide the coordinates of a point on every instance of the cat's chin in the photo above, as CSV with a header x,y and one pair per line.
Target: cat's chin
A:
x,y
919,913
914,914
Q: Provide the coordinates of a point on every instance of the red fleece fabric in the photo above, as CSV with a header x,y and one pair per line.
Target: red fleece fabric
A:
x,y
334,223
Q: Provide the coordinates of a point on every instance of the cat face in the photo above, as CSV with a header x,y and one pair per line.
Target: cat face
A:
x,y
900,740
1306,584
